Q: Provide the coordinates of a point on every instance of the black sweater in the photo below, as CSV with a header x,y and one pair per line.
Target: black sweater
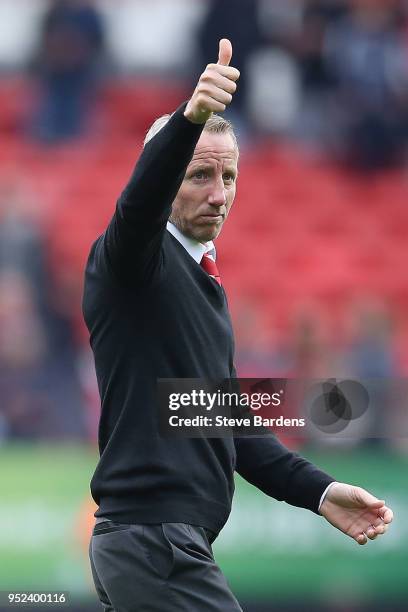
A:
x,y
153,312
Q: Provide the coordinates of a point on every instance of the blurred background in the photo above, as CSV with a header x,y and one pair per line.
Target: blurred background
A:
x,y
321,289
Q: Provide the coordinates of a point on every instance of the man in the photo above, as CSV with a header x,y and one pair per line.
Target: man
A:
x,y
155,309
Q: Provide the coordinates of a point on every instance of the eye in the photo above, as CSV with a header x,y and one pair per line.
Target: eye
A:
x,y
200,175
229,177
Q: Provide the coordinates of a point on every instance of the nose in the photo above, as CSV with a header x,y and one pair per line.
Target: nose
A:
x,y
217,196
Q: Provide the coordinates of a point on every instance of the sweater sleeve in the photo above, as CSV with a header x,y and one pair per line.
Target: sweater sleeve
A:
x,y
274,469
130,246
280,473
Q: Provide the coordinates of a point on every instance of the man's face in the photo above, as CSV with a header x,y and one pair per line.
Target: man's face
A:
x,y
208,189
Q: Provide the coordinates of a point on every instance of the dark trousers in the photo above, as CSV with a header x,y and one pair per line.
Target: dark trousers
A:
x,y
157,568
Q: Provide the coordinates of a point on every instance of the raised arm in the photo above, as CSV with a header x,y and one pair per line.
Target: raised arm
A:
x,y
131,244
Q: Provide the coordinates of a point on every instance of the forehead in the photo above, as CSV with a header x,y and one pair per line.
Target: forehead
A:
x,y
219,148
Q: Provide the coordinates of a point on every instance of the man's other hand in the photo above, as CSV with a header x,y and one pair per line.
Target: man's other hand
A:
x,y
356,512
215,87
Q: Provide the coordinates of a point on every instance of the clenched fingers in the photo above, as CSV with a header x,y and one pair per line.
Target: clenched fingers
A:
x,y
213,77
228,72
216,103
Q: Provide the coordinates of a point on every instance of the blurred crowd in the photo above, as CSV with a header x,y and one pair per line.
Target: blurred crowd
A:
x,y
327,75
66,65
362,346
40,394
332,74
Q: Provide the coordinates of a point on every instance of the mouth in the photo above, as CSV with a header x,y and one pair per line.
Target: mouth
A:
x,y
212,218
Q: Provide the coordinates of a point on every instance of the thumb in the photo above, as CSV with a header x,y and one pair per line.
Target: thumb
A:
x,y
378,503
225,52
365,498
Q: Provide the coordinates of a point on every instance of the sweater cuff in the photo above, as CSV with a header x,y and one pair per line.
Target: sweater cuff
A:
x,y
179,118
309,489
324,494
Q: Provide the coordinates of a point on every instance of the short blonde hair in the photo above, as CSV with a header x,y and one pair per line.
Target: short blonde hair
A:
x,y
215,125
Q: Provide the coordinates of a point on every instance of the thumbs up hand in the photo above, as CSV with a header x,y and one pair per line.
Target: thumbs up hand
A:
x,y
215,87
